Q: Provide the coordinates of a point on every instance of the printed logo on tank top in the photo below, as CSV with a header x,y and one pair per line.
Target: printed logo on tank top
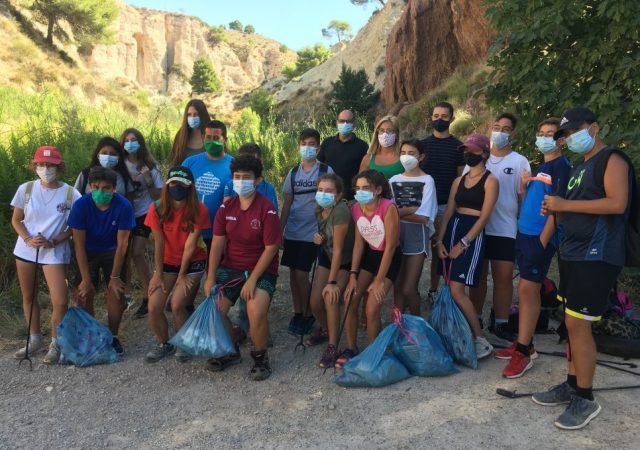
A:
x,y
371,230
575,180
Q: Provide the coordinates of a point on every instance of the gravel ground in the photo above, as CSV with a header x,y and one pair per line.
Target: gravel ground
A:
x,y
170,405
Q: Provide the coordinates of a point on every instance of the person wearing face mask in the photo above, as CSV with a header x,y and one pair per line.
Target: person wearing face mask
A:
x,y
211,171
536,243
299,225
189,140
335,236
384,151
108,154
460,240
40,212
501,230
101,223
594,216
176,220
414,193
244,256
344,151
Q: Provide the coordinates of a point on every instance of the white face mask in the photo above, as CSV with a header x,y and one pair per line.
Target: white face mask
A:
x,y
47,174
408,161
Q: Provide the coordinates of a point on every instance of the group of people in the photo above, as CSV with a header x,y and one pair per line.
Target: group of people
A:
x,y
358,221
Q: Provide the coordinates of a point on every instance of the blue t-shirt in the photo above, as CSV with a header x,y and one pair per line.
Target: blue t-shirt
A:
x,y
211,177
264,187
551,178
101,226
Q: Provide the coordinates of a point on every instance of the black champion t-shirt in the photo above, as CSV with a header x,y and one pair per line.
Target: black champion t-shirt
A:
x,y
442,159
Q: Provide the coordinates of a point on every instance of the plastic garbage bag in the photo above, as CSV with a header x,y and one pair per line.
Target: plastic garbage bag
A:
x,y
374,367
419,347
205,332
84,341
447,319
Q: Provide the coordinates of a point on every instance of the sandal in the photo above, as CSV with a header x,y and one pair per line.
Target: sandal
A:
x,y
219,364
319,337
261,369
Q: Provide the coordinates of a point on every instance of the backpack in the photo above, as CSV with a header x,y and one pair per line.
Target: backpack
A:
x,y
294,170
28,190
85,180
632,238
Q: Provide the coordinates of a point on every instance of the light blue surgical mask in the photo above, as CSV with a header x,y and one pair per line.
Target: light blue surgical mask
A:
x,y
325,199
363,197
108,161
546,144
345,128
132,147
244,188
581,141
193,122
499,139
307,153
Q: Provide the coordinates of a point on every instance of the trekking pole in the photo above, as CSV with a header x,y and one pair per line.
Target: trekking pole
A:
x,y
34,299
307,306
515,394
340,332
602,362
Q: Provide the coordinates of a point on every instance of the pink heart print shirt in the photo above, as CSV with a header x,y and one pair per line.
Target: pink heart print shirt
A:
x,y
371,228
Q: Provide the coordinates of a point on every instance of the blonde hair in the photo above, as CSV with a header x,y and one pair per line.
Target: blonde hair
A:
x,y
375,145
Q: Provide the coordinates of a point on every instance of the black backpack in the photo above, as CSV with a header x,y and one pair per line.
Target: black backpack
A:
x,y
321,171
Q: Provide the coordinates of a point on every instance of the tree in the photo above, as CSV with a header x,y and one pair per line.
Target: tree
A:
x,y
89,20
217,34
235,25
262,102
249,29
364,2
586,53
308,58
204,77
353,91
338,28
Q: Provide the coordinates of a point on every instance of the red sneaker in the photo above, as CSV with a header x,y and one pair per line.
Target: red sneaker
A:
x,y
507,353
517,366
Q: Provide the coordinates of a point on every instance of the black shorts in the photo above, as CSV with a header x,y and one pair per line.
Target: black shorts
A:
x,y
585,287
371,260
102,261
194,267
224,275
325,261
141,230
33,262
500,248
532,258
467,267
299,255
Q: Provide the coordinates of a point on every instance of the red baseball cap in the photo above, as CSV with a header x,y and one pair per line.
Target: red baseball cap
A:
x,y
476,141
47,154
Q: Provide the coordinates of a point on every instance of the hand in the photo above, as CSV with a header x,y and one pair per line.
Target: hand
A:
x,y
181,283
79,300
351,289
318,238
208,285
376,288
37,241
442,252
544,244
155,283
248,291
525,176
85,289
552,204
456,251
116,285
332,292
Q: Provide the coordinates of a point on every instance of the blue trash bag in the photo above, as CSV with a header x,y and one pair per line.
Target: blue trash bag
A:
x,y
374,367
420,349
84,341
205,332
452,326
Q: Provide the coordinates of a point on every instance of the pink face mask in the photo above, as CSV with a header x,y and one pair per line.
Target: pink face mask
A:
x,y
387,139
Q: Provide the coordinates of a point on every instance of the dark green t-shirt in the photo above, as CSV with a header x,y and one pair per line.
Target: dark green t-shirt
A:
x,y
338,216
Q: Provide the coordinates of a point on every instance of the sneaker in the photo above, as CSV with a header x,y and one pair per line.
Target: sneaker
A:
x,y
517,366
117,346
143,310
507,353
306,324
261,369
53,355
328,357
502,331
483,347
294,325
182,356
345,356
578,414
319,337
556,395
160,351
35,346
219,364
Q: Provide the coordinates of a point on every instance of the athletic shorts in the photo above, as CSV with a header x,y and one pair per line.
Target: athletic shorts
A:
x,y
194,267
532,258
325,261
371,260
299,255
141,230
414,240
40,264
467,267
500,248
266,282
441,211
102,261
585,287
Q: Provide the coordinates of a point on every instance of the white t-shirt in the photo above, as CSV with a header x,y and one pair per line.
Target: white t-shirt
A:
x,y
120,187
141,197
416,191
507,169
46,213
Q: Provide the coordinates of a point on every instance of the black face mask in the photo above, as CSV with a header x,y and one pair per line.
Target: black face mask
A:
x,y
440,125
178,192
472,160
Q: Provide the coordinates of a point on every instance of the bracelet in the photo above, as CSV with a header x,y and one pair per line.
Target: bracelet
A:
x,y
332,282
27,239
437,243
112,277
465,242
354,272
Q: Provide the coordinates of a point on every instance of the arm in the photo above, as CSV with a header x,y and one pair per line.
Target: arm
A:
x,y
115,283
158,252
548,231
218,244
451,207
190,247
152,179
356,258
286,209
459,170
339,234
85,287
364,164
408,214
391,224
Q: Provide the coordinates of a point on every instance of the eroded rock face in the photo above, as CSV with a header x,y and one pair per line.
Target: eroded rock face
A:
x,y
428,42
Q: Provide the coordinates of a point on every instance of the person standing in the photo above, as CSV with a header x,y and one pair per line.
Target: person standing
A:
x,y
384,151
189,140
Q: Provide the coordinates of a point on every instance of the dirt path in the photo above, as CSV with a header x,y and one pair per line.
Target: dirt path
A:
x,y
172,405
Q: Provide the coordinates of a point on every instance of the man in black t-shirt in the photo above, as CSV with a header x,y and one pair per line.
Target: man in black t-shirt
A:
x,y
344,151
444,162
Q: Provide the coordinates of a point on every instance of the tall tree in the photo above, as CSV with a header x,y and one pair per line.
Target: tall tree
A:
x,y
249,29
204,78
308,58
352,90
338,29
235,25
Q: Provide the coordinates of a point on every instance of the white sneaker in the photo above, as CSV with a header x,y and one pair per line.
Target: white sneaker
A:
x,y
53,355
483,347
35,346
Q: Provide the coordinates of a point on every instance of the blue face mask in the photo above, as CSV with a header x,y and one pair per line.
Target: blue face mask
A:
x,y
546,144
131,147
244,188
325,199
307,153
499,139
363,197
193,122
345,128
108,161
581,142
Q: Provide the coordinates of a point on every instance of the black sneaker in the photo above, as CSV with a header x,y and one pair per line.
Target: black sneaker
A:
x,y
306,325
261,369
502,331
160,351
143,310
294,324
219,364
117,346
578,414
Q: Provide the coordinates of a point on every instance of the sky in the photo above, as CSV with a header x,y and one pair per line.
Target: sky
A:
x,y
295,23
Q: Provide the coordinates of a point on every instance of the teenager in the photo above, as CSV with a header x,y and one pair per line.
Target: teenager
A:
x,y
180,256
536,243
189,140
376,257
40,212
335,236
384,150
244,257
299,225
108,154
461,241
102,222
414,194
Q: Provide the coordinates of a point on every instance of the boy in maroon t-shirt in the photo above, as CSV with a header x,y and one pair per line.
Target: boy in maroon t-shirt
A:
x,y
247,231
